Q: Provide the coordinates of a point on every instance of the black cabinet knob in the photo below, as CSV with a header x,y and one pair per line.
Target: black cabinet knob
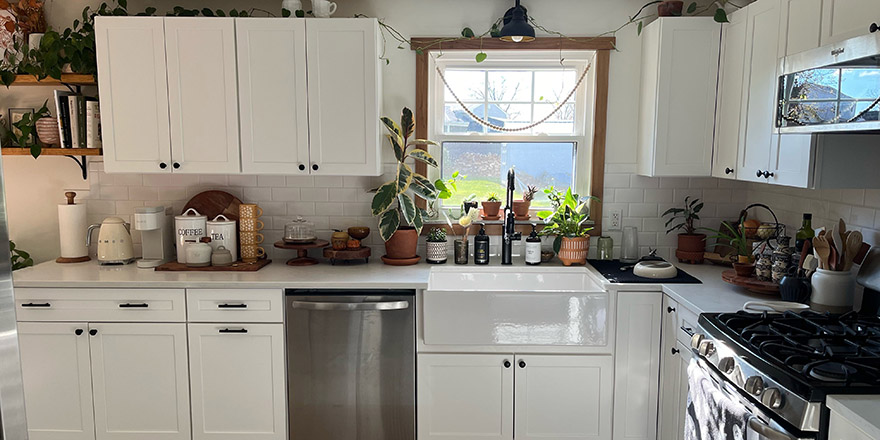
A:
x,y
506,364
728,171
760,173
93,331
176,165
522,364
670,309
315,167
78,331
163,165
302,167
675,351
874,28
768,174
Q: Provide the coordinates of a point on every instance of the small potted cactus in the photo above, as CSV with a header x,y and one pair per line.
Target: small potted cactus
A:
x,y
436,246
492,205
521,207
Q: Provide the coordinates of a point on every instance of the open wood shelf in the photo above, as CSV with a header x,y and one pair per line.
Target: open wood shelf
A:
x,y
66,78
47,151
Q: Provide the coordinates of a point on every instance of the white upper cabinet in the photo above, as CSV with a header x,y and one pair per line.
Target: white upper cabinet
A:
x,y
678,92
134,94
344,86
273,96
803,30
203,94
729,126
844,19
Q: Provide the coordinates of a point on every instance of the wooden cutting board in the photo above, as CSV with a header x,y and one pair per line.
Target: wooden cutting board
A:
x,y
238,266
213,203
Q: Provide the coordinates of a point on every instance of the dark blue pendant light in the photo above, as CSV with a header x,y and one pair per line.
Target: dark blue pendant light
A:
x,y
516,25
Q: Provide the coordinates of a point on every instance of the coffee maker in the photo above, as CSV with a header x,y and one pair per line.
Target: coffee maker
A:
x,y
156,235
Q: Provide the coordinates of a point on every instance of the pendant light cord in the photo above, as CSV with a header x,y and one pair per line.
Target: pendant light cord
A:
x,y
510,130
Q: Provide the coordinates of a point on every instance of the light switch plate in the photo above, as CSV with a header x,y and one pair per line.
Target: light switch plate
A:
x,y
615,220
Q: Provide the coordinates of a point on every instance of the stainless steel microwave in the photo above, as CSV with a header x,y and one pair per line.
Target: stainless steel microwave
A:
x,y
834,88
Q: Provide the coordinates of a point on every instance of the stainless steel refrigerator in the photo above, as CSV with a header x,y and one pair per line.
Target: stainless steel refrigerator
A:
x,y
13,425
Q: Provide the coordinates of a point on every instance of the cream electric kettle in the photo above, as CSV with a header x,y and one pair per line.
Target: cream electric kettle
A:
x,y
114,241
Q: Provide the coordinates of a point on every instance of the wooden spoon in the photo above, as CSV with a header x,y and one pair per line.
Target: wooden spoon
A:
x,y
853,244
823,250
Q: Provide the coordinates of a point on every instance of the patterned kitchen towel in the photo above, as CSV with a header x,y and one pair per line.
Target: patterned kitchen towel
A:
x,y
711,415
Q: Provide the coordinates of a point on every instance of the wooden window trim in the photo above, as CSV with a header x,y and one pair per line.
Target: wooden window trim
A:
x,y
603,47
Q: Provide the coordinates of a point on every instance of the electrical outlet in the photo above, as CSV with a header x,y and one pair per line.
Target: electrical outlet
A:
x,y
616,219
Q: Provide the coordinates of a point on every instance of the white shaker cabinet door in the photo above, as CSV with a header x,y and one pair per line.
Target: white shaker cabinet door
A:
x,y
792,160
844,19
566,397
685,355
670,412
729,125
57,380
203,95
344,83
273,96
238,381
464,397
133,93
804,18
140,378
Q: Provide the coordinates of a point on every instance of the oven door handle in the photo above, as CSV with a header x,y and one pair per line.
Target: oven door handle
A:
x,y
765,430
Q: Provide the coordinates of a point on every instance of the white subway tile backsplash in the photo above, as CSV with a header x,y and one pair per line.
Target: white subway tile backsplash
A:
x,y
285,194
213,180
658,195
242,180
329,209
301,208
617,181
637,181
315,194
328,181
271,181
114,192
143,193
862,216
644,210
172,193
342,194
257,193
633,195
300,181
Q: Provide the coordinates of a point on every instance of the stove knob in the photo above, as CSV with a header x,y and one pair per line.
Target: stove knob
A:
x,y
696,339
772,398
754,385
707,348
726,365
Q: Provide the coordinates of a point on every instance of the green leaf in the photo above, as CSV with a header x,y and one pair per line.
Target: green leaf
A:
x,y
692,8
407,126
639,29
544,215
393,128
285,12
407,208
7,77
467,32
423,187
495,32
419,221
398,149
481,57
404,177
455,174
721,16
36,150
207,12
389,221
557,243
384,197
423,156
123,3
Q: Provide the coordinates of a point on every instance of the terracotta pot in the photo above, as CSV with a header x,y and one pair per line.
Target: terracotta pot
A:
x,y
521,208
692,242
491,208
671,8
574,250
403,244
744,270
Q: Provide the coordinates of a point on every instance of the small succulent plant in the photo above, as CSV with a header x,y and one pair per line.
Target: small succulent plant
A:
x,y
437,235
493,197
530,192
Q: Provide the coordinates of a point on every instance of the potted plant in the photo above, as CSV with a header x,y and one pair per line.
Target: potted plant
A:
x,y
492,205
670,8
566,222
521,207
436,246
691,245
400,220
737,241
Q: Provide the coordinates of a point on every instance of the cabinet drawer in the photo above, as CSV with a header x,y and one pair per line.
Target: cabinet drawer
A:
x,y
235,305
100,305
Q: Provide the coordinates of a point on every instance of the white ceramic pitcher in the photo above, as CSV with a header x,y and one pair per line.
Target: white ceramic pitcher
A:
x,y
323,8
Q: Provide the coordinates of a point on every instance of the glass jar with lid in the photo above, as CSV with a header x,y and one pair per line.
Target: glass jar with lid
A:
x,y
299,231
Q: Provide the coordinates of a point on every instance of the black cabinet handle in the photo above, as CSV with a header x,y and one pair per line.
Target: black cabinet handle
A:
x,y
93,331
315,166
675,351
233,330
874,28
760,173
232,306
728,171
36,305
522,364
302,167
670,309
163,165
506,363
768,174
134,306
176,165
78,331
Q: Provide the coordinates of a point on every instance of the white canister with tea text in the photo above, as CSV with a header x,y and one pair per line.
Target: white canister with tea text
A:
x,y
189,227
223,232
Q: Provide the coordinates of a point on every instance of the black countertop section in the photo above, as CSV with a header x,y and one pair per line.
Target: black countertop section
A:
x,y
610,269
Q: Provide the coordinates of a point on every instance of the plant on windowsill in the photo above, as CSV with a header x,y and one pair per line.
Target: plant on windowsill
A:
x,y
436,246
691,245
566,222
491,206
521,207
400,220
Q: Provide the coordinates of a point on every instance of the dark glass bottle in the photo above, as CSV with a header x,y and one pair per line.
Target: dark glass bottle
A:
x,y
481,247
805,233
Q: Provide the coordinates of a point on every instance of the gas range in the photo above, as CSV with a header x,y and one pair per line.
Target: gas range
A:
x,y
786,364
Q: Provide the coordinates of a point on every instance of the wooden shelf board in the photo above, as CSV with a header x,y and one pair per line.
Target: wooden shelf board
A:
x,y
47,151
66,78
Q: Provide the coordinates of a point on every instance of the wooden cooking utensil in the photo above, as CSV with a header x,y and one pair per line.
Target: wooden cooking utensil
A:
x,y
806,250
853,244
834,259
823,250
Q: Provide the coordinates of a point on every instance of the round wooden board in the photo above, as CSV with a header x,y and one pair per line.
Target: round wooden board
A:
x,y
750,283
213,203
302,246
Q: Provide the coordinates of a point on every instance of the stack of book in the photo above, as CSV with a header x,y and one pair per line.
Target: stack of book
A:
x,y
79,120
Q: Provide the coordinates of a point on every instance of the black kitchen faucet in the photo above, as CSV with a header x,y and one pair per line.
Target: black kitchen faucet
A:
x,y
509,234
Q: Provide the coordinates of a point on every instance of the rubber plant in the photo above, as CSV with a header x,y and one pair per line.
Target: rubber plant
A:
x,y
394,201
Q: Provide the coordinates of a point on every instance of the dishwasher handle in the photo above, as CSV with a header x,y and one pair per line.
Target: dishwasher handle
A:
x,y
349,306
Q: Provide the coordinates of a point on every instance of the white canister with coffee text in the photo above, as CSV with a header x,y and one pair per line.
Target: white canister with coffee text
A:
x,y
189,228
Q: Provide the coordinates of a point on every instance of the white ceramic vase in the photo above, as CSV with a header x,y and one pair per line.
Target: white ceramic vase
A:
x,y
833,291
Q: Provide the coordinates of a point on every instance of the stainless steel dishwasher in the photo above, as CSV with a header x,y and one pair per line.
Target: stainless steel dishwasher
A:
x,y
351,364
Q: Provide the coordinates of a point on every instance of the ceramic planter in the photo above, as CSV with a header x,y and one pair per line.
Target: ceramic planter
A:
x,y
521,207
436,252
403,244
574,250
491,209
691,248
671,8
47,131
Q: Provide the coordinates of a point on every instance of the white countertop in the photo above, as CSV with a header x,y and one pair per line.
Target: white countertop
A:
x,y
861,411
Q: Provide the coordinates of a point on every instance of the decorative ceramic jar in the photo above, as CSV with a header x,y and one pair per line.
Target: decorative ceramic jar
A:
x,y
781,259
199,254
764,268
437,253
47,131
189,227
833,291
224,233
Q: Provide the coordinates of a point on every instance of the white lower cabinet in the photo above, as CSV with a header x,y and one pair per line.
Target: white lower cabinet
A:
x,y
57,380
675,358
237,376
474,395
139,377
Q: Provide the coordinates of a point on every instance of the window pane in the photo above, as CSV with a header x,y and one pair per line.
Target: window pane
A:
x,y
510,86
456,120
815,84
562,122
486,163
860,83
514,115
469,85
552,86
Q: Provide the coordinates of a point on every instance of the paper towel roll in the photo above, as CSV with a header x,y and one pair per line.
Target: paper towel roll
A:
x,y
72,228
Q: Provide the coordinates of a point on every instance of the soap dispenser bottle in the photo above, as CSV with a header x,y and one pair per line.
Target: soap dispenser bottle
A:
x,y
533,248
481,248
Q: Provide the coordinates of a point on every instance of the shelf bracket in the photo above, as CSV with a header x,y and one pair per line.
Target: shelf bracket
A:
x,y
83,166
